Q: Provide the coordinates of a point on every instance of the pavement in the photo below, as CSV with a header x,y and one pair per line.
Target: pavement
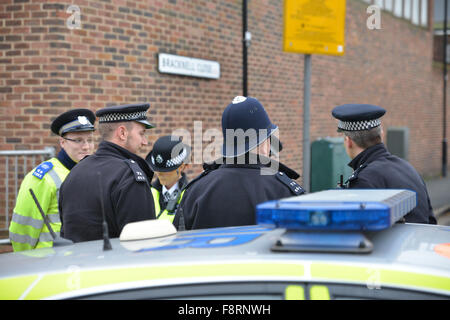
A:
x,y
439,192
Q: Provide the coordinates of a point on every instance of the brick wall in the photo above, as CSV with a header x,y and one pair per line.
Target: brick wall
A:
x,y
46,68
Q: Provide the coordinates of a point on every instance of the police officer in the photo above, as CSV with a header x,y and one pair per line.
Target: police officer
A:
x,y
114,180
374,167
167,159
227,192
27,229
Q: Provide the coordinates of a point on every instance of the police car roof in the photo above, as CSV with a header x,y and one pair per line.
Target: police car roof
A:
x,y
407,255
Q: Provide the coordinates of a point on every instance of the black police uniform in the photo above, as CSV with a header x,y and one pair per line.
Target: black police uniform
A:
x,y
376,168
112,178
227,194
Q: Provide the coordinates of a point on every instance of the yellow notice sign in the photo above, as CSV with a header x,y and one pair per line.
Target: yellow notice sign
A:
x,y
314,26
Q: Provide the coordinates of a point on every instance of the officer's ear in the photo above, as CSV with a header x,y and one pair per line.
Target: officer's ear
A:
x,y
264,148
122,132
61,142
184,167
348,142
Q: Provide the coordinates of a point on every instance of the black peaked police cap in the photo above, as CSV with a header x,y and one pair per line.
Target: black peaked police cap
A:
x,y
75,120
129,112
358,117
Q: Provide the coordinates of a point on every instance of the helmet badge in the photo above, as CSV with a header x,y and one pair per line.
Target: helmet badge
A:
x,y
83,120
238,99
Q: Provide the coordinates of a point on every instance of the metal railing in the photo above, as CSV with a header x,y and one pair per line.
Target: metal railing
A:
x,y
29,161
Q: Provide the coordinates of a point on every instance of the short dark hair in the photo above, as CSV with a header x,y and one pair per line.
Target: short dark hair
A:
x,y
107,128
365,138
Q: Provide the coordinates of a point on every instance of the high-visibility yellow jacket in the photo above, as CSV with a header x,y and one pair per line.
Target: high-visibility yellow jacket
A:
x,y
27,229
165,214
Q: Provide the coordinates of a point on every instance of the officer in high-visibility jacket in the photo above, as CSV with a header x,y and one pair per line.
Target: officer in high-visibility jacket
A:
x,y
168,160
27,229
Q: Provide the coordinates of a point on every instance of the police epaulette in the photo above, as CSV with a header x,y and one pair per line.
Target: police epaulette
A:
x,y
42,169
294,186
139,176
288,171
355,173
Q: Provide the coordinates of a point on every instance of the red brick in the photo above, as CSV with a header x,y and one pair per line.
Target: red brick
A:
x,y
113,59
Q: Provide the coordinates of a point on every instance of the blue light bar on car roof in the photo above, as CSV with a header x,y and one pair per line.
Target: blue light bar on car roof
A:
x,y
340,209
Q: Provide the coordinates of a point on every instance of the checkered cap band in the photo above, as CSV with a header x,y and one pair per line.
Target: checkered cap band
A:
x,y
116,117
358,125
175,161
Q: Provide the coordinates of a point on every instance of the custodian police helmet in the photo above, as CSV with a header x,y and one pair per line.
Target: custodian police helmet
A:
x,y
245,125
73,121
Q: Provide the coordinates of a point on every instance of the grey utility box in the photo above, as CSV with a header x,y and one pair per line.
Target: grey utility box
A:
x,y
397,141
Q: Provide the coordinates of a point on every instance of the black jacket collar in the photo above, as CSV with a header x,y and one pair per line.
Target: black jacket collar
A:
x,y
368,155
261,162
64,158
107,148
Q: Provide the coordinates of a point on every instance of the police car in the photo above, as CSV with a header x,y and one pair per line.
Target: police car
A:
x,y
335,244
